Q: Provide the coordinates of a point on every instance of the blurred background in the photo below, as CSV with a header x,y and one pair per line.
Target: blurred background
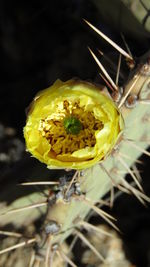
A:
x,y
42,41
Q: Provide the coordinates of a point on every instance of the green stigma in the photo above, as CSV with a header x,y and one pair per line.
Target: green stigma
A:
x,y
72,125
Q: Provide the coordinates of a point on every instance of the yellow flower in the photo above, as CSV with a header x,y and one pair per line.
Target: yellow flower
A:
x,y
72,125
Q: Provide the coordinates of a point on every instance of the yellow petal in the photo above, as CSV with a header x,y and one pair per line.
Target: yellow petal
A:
x,y
45,135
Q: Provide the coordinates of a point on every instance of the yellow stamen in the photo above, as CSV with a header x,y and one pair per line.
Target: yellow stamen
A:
x,y
63,142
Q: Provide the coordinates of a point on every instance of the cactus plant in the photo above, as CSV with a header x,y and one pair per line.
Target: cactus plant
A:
x,y
66,204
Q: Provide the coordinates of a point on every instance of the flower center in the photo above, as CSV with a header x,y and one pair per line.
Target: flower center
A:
x,y
69,129
72,125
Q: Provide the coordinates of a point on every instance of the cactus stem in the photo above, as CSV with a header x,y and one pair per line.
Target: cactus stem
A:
x,y
22,244
103,70
86,241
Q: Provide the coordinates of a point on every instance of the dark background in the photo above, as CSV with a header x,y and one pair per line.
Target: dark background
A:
x,y
41,41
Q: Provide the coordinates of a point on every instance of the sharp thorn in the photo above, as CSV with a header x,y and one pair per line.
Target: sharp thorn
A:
x,y
40,183
144,101
103,70
48,251
138,147
32,259
118,70
128,92
100,212
86,241
30,241
24,208
117,47
112,196
66,258
13,234
107,83
135,169
138,194
73,243
37,263
89,226
126,45
128,157
130,172
111,63
71,182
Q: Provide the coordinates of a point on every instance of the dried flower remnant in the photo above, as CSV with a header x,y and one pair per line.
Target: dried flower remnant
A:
x,y
72,124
